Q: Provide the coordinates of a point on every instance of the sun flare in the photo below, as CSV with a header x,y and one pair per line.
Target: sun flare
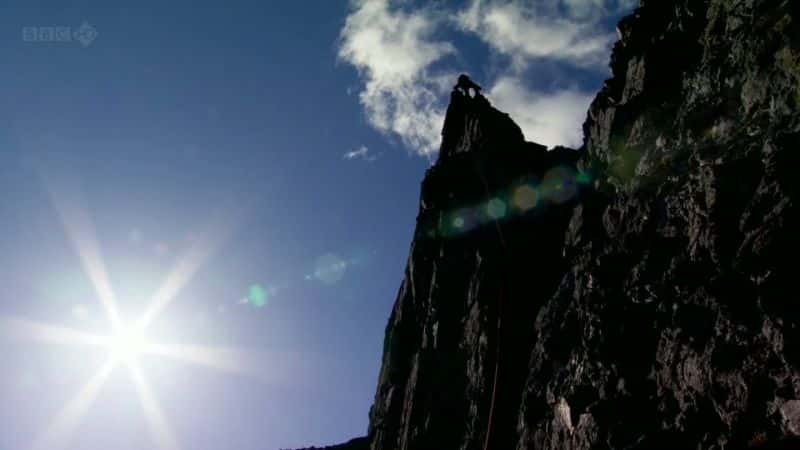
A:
x,y
127,344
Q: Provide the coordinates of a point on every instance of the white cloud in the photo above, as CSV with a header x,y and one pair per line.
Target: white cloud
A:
x,y
627,5
583,9
401,60
588,10
526,31
360,153
393,50
552,118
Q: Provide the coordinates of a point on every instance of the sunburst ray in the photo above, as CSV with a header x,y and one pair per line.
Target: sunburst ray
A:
x,y
59,433
223,359
247,363
71,208
188,264
25,329
156,420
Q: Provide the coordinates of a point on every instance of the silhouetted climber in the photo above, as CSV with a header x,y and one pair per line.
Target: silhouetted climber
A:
x,y
465,83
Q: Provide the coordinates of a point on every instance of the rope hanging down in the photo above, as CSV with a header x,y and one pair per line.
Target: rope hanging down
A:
x,y
496,375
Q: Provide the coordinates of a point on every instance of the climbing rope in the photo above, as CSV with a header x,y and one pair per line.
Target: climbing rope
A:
x,y
496,375
496,372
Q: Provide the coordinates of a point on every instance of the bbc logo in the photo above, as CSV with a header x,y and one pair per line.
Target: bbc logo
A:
x,y
47,34
84,35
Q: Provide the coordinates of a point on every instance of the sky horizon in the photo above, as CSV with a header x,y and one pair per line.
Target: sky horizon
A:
x,y
242,182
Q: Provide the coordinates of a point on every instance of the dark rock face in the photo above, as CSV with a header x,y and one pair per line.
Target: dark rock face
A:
x,y
637,294
653,308
680,284
487,251
361,443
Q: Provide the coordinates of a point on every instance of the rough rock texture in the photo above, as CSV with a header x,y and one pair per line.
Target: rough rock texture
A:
x,y
467,272
677,323
646,301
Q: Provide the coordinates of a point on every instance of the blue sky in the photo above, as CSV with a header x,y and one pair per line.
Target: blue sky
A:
x,y
272,150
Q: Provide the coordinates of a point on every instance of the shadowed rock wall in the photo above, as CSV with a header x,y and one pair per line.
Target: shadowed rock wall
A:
x,y
635,294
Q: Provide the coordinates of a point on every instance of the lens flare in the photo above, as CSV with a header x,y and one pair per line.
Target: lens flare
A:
x,y
458,222
559,184
127,344
257,296
496,209
525,198
329,268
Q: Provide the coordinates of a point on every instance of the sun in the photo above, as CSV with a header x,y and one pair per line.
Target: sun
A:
x,y
127,344
129,341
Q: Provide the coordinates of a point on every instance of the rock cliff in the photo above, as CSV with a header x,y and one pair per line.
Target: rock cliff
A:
x,y
637,293
361,443
487,254
676,325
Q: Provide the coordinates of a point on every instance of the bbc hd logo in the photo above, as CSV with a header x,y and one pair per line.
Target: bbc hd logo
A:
x,y
83,35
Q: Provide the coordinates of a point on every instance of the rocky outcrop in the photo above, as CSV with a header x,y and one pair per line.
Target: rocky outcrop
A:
x,y
635,294
676,324
361,443
485,257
